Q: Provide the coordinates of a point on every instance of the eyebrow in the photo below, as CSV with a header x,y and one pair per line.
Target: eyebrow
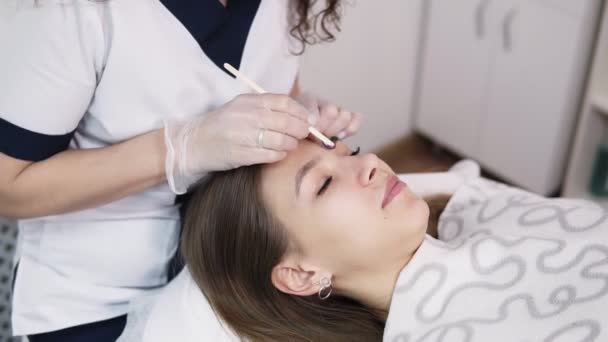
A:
x,y
303,171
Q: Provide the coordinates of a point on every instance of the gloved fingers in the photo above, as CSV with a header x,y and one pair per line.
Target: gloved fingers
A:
x,y
286,104
340,123
328,114
277,141
353,127
250,156
312,104
282,123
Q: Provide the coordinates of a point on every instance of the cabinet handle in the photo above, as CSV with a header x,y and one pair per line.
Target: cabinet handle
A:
x,y
480,18
507,28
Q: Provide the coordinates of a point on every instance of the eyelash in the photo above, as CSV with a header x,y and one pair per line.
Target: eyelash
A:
x,y
329,179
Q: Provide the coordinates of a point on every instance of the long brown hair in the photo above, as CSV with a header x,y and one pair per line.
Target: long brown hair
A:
x,y
231,243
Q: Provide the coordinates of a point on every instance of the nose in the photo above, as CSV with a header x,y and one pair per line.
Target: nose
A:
x,y
368,171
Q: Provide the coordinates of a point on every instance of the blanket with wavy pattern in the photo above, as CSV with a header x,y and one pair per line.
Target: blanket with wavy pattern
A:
x,y
508,266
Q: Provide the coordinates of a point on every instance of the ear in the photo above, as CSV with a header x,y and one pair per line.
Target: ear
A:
x,y
292,278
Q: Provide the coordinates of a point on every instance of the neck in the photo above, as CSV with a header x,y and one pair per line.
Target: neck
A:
x,y
375,288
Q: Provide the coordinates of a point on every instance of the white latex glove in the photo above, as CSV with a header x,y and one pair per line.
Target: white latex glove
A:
x,y
332,120
250,129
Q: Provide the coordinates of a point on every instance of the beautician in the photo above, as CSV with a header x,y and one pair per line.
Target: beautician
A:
x,y
108,110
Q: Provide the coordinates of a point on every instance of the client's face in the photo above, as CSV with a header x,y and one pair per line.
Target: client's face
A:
x,y
334,208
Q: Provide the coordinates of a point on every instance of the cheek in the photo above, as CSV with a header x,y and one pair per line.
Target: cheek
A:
x,y
402,225
350,213
352,224
337,226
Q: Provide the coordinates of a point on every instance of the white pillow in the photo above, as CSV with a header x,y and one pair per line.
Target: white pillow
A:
x,y
430,183
179,312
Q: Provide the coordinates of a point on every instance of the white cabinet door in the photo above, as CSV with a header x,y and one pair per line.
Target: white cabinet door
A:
x,y
577,8
454,75
533,95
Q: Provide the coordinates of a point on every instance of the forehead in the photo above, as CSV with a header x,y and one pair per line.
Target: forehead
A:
x,y
287,168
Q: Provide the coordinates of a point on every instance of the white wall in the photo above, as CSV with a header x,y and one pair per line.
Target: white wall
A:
x,y
370,67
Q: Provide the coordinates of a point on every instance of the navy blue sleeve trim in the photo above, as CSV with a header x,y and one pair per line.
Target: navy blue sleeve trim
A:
x,y
24,144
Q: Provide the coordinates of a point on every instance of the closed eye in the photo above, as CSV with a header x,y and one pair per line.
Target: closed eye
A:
x,y
324,186
329,179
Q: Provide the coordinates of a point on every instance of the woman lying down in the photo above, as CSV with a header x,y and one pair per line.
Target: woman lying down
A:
x,y
329,246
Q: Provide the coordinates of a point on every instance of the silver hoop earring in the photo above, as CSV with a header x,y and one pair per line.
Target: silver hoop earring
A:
x,y
325,288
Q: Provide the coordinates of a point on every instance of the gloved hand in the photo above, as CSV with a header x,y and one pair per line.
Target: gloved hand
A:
x,y
250,129
332,120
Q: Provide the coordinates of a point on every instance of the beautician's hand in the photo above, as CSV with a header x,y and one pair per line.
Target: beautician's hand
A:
x,y
250,129
332,120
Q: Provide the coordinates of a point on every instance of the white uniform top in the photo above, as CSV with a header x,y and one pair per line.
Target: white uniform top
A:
x,y
85,74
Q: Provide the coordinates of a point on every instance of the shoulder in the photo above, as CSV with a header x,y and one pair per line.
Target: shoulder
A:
x,y
60,12
48,7
73,29
49,18
41,4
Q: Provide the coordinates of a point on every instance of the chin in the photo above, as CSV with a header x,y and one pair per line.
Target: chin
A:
x,y
419,208
416,219
423,211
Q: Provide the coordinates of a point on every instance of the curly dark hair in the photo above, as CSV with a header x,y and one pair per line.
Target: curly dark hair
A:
x,y
311,27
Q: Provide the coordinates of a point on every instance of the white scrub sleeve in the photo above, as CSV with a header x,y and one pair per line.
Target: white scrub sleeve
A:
x,y
52,58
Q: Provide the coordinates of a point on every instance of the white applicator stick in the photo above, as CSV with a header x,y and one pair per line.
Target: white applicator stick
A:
x,y
325,140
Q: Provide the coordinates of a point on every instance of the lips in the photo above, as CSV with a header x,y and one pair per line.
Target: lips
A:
x,y
393,187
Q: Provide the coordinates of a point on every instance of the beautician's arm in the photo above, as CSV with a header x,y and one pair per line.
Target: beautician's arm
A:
x,y
78,179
